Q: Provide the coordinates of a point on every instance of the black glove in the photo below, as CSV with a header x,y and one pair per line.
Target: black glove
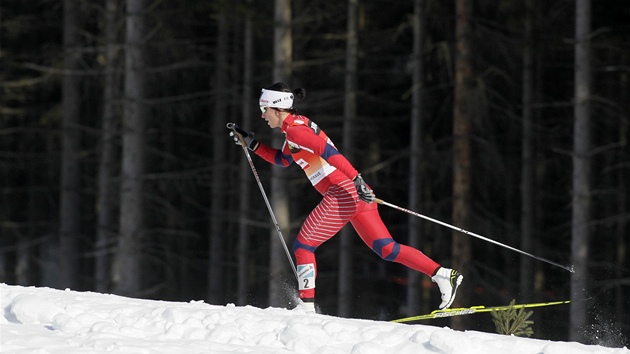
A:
x,y
251,143
365,193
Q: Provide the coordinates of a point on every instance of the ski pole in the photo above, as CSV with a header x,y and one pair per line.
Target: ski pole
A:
x,y
380,201
232,126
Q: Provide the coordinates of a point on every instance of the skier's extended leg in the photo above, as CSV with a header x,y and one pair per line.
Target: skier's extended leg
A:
x,y
374,233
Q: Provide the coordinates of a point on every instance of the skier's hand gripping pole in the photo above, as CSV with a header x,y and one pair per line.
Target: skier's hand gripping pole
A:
x,y
240,136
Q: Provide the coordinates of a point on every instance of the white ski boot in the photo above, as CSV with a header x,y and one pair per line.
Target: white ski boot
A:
x,y
448,281
307,306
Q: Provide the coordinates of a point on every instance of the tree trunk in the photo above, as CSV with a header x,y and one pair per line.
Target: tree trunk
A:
x,y
279,269
621,303
527,162
128,270
462,121
414,289
581,198
217,250
106,200
344,294
70,206
245,174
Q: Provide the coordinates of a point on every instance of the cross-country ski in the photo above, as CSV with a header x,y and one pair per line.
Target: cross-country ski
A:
x,y
475,309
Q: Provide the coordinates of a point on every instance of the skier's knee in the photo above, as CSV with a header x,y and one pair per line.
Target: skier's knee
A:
x,y
386,248
297,245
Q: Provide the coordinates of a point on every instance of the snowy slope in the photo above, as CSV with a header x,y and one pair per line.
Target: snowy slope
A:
x,y
48,321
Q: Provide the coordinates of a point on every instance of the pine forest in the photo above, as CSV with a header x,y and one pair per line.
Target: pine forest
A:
x,y
508,119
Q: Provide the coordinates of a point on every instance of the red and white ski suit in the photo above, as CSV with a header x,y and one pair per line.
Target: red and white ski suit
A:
x,y
331,174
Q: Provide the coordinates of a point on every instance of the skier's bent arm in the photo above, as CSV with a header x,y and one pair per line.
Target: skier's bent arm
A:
x,y
305,138
274,156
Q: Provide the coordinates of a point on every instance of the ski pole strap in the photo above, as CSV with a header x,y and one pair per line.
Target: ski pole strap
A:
x,y
475,309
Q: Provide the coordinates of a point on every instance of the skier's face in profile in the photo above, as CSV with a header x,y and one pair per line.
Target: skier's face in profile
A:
x,y
273,116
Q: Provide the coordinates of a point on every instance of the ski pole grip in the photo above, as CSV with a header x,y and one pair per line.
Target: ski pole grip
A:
x,y
237,131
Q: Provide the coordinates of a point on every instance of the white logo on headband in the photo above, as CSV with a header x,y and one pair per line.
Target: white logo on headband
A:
x,y
276,99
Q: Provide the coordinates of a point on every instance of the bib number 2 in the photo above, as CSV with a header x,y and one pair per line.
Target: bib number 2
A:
x,y
306,276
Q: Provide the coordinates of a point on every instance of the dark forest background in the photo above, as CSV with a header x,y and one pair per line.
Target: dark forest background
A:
x,y
117,173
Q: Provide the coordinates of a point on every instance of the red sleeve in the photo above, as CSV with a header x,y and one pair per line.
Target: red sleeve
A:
x,y
307,139
275,156
342,164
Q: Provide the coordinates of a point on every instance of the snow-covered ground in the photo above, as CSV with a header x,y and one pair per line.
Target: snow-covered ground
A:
x,y
49,321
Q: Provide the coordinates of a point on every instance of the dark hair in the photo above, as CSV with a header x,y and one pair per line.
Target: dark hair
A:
x,y
298,93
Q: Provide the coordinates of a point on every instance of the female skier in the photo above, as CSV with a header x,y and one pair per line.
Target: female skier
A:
x,y
346,196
